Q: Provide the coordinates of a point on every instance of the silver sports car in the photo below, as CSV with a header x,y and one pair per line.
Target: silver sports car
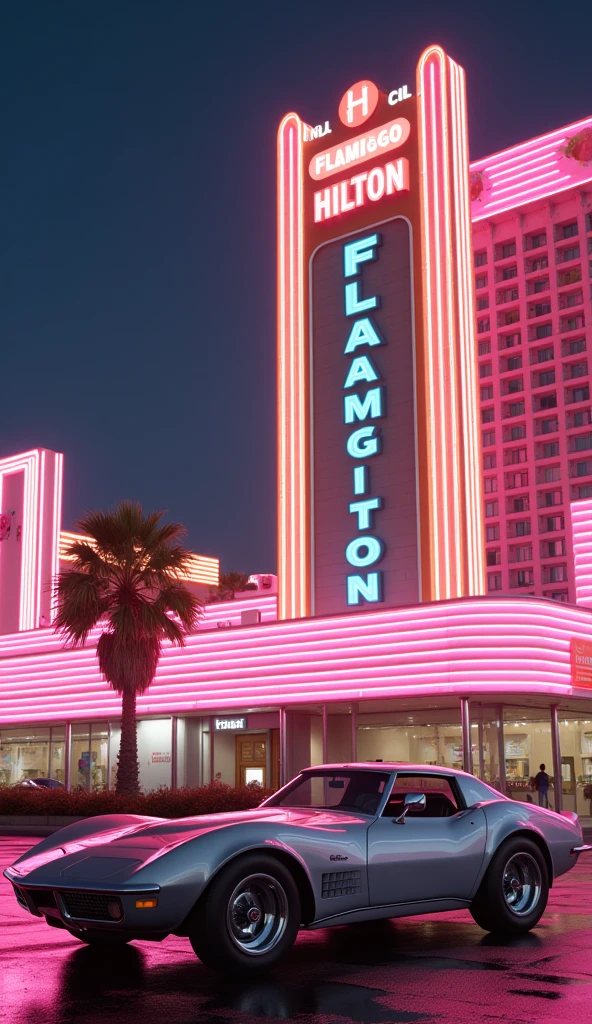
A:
x,y
340,843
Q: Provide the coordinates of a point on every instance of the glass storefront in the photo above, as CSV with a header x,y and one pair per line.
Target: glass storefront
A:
x,y
509,743
24,754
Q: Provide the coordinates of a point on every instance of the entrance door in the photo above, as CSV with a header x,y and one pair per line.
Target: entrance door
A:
x,y
434,854
251,759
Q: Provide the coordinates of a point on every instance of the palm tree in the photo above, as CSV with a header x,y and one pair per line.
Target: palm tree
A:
x,y
126,577
231,584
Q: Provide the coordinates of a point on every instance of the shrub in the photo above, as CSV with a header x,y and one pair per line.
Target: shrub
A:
x,y
162,803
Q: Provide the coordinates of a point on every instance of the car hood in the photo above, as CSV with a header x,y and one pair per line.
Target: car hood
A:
x,y
110,855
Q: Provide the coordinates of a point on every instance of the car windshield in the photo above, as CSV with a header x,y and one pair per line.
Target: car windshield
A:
x,y
358,791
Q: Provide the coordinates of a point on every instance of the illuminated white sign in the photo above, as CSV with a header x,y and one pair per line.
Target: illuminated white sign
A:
x,y
362,147
229,724
367,186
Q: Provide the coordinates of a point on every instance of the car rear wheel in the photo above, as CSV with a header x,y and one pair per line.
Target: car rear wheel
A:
x,y
513,895
248,918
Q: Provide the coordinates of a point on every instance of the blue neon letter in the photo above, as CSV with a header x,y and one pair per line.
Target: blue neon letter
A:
x,y
358,252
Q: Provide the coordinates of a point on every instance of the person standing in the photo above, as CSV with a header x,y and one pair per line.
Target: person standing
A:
x,y
542,786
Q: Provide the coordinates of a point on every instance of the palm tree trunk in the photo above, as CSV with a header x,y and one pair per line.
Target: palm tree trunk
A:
x,y
127,780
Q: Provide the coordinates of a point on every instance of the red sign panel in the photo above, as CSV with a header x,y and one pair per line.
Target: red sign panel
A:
x,y
581,663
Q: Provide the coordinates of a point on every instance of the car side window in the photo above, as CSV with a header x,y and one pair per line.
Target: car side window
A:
x,y
441,799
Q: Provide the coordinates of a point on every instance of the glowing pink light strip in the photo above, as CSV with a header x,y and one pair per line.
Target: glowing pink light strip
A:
x,y
521,174
558,134
459,650
536,177
581,521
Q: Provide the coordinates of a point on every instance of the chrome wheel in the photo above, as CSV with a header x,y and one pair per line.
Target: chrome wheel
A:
x,y
522,884
257,914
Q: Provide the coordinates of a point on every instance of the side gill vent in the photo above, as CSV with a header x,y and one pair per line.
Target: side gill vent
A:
x,y
341,883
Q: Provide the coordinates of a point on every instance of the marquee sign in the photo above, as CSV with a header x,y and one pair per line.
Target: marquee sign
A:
x,y
379,476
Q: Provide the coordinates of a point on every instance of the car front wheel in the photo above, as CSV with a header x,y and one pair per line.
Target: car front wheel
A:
x,y
249,916
513,895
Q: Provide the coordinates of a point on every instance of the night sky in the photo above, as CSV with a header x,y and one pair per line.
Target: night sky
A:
x,y
137,270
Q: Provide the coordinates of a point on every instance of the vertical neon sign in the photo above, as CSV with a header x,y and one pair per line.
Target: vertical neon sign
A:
x,y
374,264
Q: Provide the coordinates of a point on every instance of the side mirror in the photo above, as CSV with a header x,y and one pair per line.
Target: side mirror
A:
x,y
417,801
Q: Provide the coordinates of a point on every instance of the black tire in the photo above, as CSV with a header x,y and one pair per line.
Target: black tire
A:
x,y
102,940
513,894
249,916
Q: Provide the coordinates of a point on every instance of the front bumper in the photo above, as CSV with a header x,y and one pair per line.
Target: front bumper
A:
x,y
84,908
585,848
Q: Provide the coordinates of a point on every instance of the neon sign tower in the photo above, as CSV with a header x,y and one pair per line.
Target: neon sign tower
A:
x,y
379,486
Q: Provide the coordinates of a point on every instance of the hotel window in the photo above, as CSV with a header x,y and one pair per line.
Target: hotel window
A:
x,y
544,378
522,528
548,401
507,250
550,449
513,363
490,461
543,331
573,299
491,508
539,264
519,505
517,433
564,255
515,409
578,394
535,241
552,548
582,443
483,302
522,578
515,385
509,272
570,276
551,474
488,438
542,285
492,532
581,468
481,282
522,553
483,325
550,498
480,259
494,557
553,523
487,415
494,581
569,230
573,323
485,370
574,370
549,426
516,480
557,573
517,455
585,491
484,348
490,484
487,393
576,346
583,418
558,595
543,355
507,295
509,340
539,309
511,318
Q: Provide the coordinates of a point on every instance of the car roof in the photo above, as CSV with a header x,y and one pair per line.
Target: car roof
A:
x,y
381,766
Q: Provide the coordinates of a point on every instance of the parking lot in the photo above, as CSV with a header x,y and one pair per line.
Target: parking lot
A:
x,y
439,968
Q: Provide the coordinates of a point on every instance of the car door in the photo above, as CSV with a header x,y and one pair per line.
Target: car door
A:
x,y
434,854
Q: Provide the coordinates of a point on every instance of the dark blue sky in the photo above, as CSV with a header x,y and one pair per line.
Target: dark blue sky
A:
x,y
137,279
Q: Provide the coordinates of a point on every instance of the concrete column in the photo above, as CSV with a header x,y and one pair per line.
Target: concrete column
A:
x,y
173,752
556,749
465,716
501,747
283,747
108,755
324,734
68,757
354,732
480,742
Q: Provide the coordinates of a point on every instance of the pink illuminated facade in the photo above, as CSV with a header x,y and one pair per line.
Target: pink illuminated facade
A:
x,y
532,242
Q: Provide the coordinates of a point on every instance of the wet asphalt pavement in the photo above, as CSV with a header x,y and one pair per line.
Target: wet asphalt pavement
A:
x,y
437,968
